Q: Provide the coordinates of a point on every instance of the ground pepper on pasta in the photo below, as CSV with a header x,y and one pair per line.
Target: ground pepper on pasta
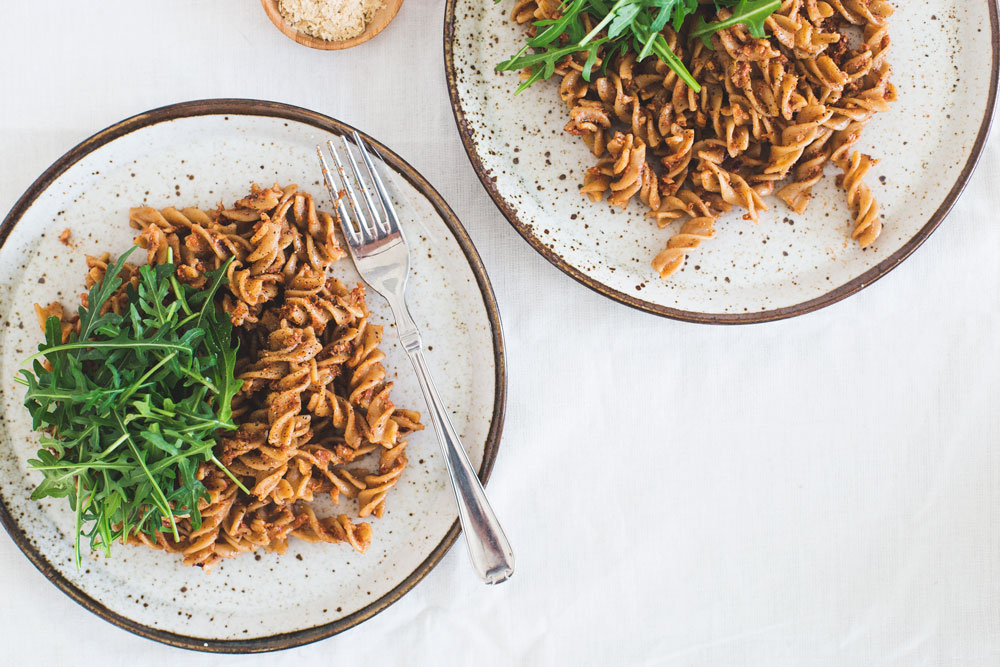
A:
x,y
771,114
314,413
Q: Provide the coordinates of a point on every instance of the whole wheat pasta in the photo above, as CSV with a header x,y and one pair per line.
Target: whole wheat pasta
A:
x,y
772,113
314,413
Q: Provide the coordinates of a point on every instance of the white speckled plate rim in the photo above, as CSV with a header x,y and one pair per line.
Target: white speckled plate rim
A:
x,y
244,107
476,145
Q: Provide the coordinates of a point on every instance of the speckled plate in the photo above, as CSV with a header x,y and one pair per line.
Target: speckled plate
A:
x,y
200,153
944,56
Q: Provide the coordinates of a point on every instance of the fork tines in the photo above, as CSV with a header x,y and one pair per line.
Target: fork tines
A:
x,y
376,218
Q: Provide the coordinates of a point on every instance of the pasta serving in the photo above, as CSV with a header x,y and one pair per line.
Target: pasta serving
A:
x,y
771,114
315,399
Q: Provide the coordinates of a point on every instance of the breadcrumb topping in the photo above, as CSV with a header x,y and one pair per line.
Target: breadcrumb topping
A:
x,y
332,20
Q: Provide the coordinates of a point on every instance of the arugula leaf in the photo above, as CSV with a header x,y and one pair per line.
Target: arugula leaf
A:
x,y
131,406
682,11
750,13
90,317
625,23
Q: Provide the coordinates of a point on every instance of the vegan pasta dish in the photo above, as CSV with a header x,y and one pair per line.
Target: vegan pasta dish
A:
x,y
203,402
698,107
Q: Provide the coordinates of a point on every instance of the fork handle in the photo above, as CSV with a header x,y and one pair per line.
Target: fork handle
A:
x,y
488,546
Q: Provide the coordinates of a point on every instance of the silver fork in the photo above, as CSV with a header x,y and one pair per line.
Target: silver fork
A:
x,y
378,247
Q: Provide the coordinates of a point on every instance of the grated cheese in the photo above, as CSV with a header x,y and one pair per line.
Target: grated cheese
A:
x,y
332,20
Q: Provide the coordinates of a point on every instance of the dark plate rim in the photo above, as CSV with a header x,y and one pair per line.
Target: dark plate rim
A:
x,y
250,107
829,298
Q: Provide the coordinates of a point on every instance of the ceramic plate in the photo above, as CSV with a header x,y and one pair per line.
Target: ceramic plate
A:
x,y
201,153
944,56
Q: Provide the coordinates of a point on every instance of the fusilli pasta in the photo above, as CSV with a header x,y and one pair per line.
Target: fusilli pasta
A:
x,y
315,401
772,111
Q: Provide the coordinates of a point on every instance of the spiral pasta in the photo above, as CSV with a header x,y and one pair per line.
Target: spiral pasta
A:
x,y
772,113
867,223
315,402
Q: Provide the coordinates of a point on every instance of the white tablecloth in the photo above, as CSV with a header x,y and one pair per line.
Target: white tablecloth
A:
x,y
820,491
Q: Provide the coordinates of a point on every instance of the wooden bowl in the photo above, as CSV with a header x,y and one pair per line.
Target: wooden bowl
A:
x,y
375,26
